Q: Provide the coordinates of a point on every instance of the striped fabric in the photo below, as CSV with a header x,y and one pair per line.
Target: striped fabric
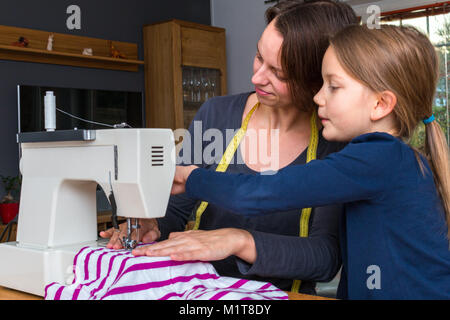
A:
x,y
101,273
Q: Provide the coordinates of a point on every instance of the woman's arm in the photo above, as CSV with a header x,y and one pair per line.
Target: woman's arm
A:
x,y
203,245
313,258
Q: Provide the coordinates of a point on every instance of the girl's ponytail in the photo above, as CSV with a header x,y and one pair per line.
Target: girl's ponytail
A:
x,y
436,150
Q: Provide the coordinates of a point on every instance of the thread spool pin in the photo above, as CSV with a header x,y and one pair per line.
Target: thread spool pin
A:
x,y
50,111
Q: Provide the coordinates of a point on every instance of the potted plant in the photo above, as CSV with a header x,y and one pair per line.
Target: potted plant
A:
x,y
9,205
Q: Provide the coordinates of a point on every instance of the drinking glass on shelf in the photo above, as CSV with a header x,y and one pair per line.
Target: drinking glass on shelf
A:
x,y
197,86
213,83
206,85
186,84
191,85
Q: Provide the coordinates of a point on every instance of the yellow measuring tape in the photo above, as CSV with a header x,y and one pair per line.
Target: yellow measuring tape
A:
x,y
226,159
231,150
306,212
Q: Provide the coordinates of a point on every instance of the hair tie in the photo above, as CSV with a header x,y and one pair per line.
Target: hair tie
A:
x,y
429,120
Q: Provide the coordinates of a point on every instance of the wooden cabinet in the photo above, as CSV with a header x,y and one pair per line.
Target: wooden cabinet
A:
x,y
175,51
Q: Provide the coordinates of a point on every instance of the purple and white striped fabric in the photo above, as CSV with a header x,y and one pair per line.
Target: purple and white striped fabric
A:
x,y
101,273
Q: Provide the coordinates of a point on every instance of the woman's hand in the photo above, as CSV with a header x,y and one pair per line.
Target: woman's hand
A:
x,y
181,175
148,232
203,245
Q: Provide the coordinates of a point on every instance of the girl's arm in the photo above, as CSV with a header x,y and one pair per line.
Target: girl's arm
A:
x,y
360,171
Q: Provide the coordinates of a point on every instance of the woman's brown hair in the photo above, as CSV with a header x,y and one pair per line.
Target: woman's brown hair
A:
x,y
401,60
306,27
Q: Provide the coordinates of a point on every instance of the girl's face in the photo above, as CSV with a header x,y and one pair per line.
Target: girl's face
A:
x,y
270,85
345,104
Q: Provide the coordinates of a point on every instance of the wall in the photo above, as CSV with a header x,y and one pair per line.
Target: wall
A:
x,y
244,23
106,19
390,5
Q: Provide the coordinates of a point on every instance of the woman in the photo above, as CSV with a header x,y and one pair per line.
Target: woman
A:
x,y
298,244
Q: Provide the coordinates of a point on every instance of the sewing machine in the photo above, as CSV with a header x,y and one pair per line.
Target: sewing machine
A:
x,y
58,213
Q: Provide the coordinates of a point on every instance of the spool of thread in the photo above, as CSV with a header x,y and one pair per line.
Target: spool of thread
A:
x,y
50,111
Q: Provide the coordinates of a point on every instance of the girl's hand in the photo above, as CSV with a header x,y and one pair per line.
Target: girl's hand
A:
x,y
181,175
203,245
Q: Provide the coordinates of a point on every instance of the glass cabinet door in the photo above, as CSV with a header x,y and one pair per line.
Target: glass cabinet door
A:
x,y
199,85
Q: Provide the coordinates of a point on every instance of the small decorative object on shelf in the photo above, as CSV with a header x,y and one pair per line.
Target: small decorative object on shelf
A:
x,y
114,52
22,42
87,51
50,43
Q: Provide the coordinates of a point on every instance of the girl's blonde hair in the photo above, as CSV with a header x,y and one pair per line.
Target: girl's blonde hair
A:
x,y
401,60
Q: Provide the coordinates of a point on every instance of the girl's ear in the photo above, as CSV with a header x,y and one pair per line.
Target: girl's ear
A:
x,y
386,103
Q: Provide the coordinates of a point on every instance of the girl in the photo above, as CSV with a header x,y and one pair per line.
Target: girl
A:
x,y
378,85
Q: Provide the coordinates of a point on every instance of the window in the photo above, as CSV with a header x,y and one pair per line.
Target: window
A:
x,y
433,20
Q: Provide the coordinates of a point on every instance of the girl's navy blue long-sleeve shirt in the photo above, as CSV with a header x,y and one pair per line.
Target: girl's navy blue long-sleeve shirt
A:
x,y
394,242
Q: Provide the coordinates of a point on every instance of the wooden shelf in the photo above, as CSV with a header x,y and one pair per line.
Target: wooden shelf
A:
x,y
70,59
66,50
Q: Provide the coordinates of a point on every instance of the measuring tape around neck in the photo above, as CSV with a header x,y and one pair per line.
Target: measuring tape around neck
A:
x,y
228,156
306,212
226,159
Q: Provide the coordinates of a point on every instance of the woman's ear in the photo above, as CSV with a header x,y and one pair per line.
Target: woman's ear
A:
x,y
386,103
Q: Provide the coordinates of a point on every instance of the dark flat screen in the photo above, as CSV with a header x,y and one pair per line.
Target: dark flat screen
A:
x,y
101,106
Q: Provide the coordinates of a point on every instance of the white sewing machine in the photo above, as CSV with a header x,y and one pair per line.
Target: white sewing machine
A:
x,y
58,213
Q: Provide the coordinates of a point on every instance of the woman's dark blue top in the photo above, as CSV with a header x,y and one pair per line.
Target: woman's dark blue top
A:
x,y
281,254
394,244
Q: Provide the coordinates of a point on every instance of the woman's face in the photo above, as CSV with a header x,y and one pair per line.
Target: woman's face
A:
x,y
268,77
